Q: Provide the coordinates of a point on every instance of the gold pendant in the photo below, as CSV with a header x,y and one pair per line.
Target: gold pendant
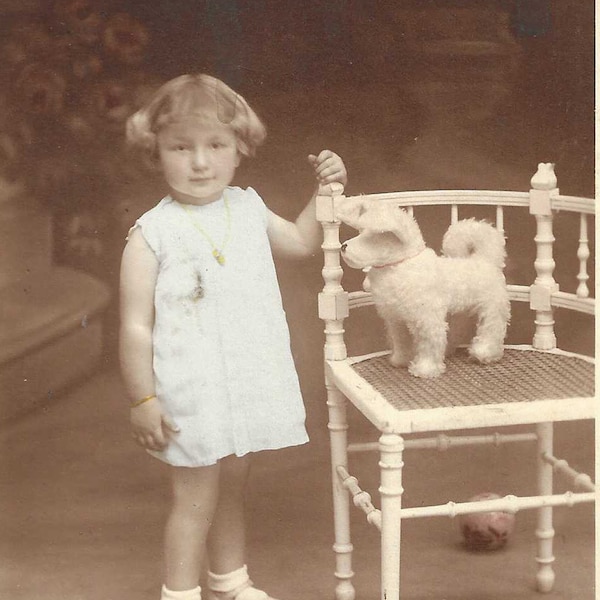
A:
x,y
218,257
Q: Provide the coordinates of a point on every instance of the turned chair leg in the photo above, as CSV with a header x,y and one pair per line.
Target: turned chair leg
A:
x,y
391,447
544,532
338,433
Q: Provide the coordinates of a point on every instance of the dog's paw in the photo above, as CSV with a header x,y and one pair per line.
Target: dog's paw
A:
x,y
426,369
398,359
486,353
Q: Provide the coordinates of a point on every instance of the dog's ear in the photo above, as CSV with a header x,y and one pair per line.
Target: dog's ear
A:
x,y
349,211
399,223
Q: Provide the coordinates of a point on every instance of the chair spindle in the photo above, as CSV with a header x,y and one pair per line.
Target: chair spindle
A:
x,y
583,254
543,189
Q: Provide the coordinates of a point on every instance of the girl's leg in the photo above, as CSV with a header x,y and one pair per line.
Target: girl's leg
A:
x,y
228,578
195,494
227,537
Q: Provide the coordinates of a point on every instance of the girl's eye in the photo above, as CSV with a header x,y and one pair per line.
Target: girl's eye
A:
x,y
217,145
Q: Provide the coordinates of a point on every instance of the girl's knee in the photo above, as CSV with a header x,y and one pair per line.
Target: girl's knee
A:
x,y
196,486
234,474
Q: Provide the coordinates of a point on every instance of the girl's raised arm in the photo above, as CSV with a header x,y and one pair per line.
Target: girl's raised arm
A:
x,y
302,238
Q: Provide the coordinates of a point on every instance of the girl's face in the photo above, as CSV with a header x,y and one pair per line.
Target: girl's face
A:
x,y
198,158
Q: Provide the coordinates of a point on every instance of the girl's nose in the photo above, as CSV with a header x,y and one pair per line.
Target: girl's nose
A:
x,y
199,159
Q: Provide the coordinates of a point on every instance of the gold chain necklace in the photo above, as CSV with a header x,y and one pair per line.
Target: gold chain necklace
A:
x,y
217,253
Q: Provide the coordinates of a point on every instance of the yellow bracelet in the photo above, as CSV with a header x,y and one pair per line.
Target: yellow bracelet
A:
x,y
144,399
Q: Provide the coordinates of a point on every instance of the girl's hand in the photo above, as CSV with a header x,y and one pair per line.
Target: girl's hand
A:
x,y
150,427
329,167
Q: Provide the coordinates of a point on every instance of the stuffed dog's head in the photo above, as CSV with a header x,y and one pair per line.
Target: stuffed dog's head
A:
x,y
387,235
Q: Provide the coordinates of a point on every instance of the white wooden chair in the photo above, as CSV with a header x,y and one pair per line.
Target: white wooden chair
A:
x,y
534,385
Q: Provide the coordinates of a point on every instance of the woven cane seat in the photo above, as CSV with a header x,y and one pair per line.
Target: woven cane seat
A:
x,y
520,387
520,376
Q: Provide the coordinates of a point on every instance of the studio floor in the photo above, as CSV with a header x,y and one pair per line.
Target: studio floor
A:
x,y
83,510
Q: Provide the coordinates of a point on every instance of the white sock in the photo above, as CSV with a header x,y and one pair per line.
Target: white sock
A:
x,y
236,585
167,594
229,581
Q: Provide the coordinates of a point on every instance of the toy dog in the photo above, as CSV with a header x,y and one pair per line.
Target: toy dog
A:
x,y
416,291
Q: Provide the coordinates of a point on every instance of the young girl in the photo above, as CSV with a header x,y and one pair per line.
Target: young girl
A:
x,y
204,342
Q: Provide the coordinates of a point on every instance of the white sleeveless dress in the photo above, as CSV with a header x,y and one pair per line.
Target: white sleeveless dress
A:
x,y
223,366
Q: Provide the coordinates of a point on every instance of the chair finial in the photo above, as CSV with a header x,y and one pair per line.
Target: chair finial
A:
x,y
331,189
544,178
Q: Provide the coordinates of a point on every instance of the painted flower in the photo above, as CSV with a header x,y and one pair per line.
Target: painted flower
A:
x,y
86,65
39,90
69,82
112,101
80,18
27,41
126,38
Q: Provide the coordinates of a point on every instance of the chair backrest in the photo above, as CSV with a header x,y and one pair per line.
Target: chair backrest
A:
x,y
541,204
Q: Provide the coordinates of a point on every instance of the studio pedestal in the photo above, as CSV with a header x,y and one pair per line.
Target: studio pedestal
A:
x,y
50,317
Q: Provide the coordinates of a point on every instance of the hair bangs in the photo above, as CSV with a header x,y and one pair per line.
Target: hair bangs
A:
x,y
199,96
192,100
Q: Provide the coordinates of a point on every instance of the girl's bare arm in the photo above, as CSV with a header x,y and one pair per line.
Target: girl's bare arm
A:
x,y
139,268
302,238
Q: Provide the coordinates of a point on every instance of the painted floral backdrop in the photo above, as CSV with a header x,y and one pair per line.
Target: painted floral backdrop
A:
x,y
69,78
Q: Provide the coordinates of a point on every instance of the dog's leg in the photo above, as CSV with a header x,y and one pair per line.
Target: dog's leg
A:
x,y
401,343
488,344
430,338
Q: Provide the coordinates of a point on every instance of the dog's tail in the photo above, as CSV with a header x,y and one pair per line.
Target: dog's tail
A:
x,y
473,238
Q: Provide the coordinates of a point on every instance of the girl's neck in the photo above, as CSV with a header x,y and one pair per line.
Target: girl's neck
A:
x,y
194,201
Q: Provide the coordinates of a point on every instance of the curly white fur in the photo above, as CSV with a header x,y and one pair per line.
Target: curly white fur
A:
x,y
417,292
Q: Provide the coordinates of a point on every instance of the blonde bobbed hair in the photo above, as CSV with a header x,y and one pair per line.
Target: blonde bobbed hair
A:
x,y
200,95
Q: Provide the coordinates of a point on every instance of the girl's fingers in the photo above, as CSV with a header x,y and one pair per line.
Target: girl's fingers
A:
x,y
328,167
140,440
327,171
159,438
331,174
168,423
323,157
150,441
153,444
325,154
